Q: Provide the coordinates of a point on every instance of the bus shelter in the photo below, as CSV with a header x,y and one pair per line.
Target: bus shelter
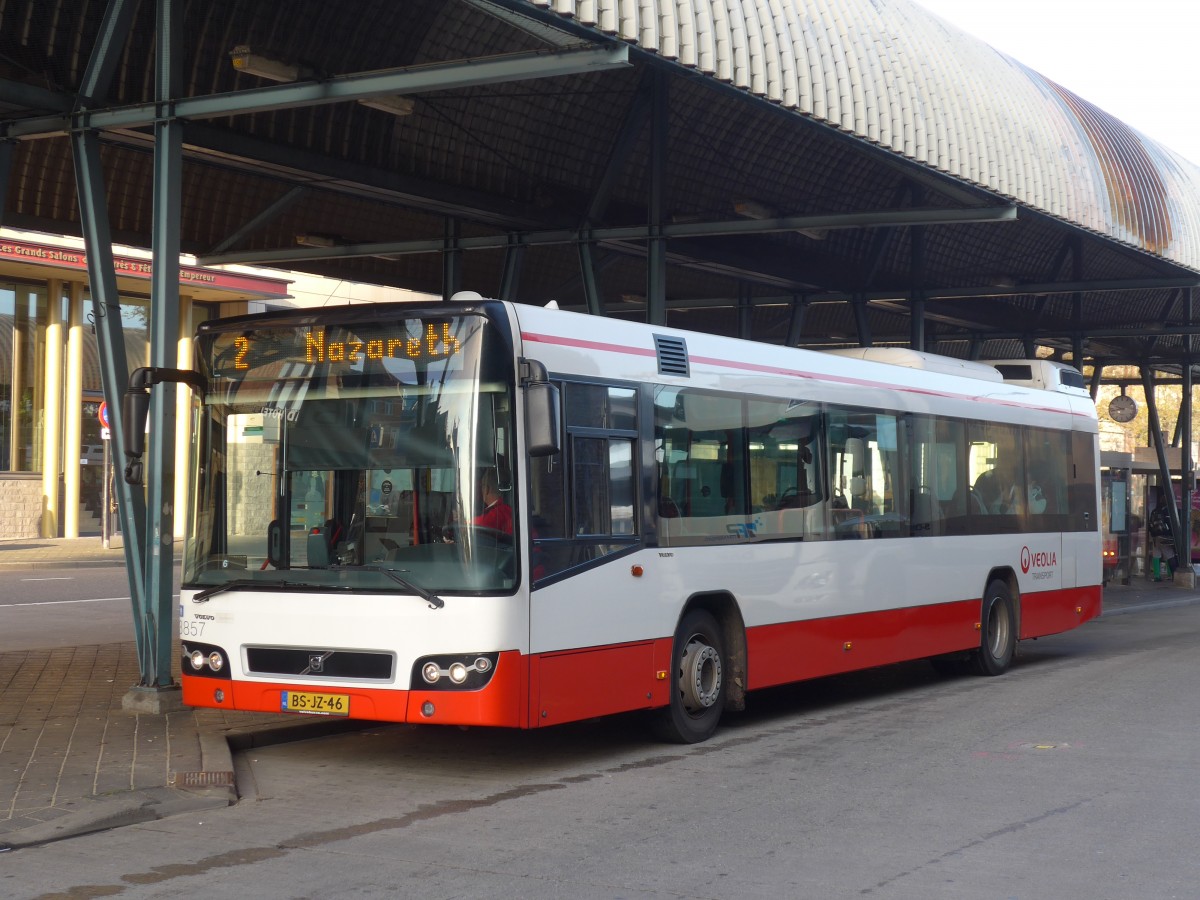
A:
x,y
824,176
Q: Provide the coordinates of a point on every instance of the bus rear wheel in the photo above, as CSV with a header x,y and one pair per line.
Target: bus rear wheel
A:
x,y
998,631
698,683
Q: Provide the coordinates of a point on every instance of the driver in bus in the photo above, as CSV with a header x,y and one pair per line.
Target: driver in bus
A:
x,y
497,514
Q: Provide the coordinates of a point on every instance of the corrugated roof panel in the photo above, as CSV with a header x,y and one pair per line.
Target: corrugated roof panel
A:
x,y
668,29
722,43
739,55
702,21
764,56
812,101
846,23
628,20
686,22
788,67
773,51
827,76
891,72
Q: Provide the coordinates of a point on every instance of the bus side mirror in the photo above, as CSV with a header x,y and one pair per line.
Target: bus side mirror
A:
x,y
541,419
275,543
135,407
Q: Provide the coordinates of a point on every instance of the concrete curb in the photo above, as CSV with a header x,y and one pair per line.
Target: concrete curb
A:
x,y
64,564
1151,606
101,814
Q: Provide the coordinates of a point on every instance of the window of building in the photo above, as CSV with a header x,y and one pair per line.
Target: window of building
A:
x,y
24,314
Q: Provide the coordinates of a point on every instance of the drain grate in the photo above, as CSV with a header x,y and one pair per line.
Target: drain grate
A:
x,y
203,779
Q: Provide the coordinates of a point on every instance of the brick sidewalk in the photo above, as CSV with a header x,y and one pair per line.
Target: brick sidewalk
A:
x,y
72,760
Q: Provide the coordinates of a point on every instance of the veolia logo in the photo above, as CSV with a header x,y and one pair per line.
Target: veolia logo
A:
x,y
1037,559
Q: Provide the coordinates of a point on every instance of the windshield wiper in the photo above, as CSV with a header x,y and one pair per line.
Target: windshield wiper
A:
x,y
427,595
252,584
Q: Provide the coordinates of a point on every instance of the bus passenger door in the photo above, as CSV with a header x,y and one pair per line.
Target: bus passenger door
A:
x,y
1083,540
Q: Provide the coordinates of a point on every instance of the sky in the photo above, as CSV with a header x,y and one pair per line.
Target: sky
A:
x,y
1136,61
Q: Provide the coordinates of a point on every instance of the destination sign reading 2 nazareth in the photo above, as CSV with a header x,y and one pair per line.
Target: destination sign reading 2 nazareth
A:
x,y
437,343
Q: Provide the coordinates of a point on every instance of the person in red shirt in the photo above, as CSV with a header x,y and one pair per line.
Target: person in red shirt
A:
x,y
496,514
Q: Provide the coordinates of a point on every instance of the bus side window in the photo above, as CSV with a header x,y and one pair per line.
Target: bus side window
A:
x,y
1047,457
584,501
937,476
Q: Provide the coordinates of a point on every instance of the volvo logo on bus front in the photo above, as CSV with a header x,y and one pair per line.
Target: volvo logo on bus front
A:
x,y
1037,559
316,662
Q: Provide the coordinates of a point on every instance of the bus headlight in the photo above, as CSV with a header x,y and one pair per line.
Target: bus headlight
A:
x,y
205,660
465,671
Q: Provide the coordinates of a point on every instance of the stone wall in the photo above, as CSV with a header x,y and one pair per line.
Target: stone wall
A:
x,y
251,496
20,506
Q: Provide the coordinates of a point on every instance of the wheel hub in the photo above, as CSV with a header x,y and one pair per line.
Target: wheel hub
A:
x,y
700,676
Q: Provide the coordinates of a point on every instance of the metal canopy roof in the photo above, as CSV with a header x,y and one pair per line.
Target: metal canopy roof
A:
x,y
806,171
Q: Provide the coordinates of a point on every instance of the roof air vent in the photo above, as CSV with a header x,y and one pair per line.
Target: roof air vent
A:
x,y
672,355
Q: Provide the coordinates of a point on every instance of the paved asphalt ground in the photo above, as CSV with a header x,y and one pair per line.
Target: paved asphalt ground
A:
x,y
73,760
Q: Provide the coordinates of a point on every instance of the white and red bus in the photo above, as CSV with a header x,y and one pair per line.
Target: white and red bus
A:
x,y
692,517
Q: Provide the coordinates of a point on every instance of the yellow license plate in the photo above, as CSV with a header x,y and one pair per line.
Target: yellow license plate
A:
x,y
311,704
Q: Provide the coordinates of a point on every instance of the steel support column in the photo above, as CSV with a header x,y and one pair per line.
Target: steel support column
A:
x,y
587,274
858,306
656,256
745,317
451,261
510,277
6,157
157,656
796,321
110,343
1164,467
102,280
916,302
1186,463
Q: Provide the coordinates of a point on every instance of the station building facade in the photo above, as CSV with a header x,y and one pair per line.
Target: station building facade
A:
x,y
52,442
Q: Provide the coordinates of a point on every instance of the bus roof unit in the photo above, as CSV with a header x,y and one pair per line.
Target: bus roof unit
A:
x,y
1042,373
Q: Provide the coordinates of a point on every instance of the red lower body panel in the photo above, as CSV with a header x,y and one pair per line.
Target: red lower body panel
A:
x,y
599,681
1055,611
795,651
566,686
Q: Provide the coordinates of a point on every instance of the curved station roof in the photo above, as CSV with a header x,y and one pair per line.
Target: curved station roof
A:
x,y
816,172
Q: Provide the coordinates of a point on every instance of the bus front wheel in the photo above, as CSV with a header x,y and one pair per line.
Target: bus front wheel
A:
x,y
697,681
998,631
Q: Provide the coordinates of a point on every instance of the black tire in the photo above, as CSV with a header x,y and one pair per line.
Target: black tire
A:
x,y
998,631
698,682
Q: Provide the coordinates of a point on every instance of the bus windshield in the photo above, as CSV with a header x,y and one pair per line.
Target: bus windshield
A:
x,y
363,456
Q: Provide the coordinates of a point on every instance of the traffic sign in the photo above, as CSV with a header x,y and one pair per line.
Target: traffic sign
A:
x,y
103,414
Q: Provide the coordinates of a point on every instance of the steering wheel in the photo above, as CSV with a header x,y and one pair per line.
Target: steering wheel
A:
x,y
493,537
